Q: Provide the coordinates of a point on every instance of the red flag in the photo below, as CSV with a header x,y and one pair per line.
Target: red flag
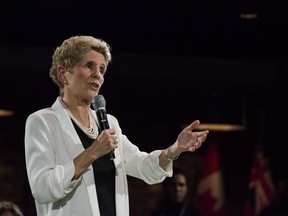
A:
x,y
261,188
210,198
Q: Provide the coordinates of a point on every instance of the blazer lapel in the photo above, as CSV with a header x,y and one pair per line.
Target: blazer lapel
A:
x,y
68,127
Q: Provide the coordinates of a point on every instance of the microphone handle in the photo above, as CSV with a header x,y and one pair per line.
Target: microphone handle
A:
x,y
103,124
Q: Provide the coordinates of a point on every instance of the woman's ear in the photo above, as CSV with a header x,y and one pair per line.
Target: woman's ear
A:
x,y
61,74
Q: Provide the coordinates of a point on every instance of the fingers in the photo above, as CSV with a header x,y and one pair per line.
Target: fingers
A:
x,y
195,146
201,137
113,139
198,144
110,136
202,133
192,148
200,140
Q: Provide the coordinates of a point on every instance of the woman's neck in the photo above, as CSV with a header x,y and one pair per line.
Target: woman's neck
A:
x,y
79,110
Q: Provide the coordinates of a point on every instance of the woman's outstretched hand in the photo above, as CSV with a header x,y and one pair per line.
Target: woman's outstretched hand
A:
x,y
190,140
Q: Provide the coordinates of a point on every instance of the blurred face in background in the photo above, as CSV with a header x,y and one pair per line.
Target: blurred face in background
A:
x,y
177,188
7,213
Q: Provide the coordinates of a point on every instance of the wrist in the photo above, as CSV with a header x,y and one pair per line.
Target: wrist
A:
x,y
170,155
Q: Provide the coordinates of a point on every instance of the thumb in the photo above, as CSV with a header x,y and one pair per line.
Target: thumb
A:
x,y
192,126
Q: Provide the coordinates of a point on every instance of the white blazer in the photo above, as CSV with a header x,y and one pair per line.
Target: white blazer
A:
x,y
51,144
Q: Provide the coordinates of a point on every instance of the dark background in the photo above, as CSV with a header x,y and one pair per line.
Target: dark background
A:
x,y
173,62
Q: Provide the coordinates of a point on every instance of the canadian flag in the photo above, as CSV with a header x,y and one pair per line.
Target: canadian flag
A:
x,y
261,188
210,200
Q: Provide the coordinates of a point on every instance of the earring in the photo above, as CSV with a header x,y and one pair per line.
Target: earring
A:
x,y
64,81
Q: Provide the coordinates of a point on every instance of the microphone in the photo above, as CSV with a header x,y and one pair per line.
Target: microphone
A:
x,y
98,102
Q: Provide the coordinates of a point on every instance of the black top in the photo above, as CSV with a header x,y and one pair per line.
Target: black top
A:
x,y
104,174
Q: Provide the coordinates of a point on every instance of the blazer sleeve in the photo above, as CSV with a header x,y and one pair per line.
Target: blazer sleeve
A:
x,y
139,164
49,178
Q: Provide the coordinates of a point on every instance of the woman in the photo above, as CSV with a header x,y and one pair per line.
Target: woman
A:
x,y
67,156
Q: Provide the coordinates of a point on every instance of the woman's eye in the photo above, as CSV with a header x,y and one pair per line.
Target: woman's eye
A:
x,y
102,70
89,65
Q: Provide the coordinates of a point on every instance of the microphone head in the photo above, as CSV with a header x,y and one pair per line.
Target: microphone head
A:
x,y
98,102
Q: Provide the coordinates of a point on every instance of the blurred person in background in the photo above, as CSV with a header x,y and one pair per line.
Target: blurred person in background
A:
x,y
176,196
8,208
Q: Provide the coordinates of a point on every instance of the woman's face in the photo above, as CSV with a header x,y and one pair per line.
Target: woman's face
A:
x,y
87,76
177,188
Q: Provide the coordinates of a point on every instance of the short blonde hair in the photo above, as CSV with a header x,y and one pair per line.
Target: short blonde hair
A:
x,y
71,51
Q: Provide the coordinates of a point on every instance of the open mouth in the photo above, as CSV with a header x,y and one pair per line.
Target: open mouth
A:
x,y
95,85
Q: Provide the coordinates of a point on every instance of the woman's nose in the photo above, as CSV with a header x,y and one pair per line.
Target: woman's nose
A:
x,y
97,73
